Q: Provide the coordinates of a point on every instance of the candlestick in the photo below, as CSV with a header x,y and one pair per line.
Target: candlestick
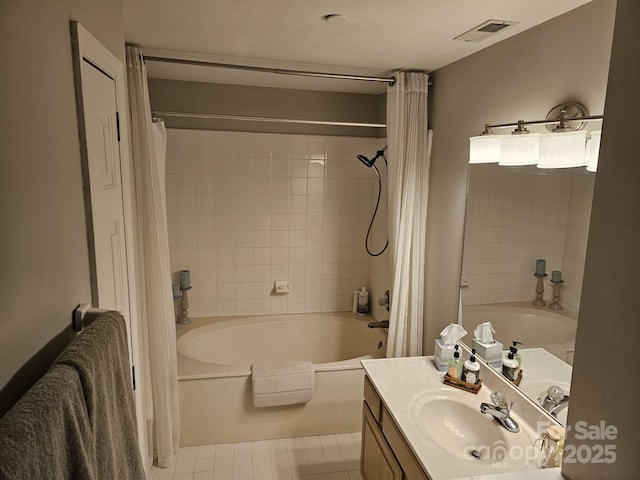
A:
x,y
184,319
539,290
555,305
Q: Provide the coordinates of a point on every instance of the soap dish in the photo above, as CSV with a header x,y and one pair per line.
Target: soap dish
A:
x,y
467,387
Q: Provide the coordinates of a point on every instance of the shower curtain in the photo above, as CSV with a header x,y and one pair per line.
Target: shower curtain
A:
x,y
157,329
409,155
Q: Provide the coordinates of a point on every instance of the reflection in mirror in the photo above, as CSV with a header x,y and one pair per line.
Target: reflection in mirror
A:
x,y
515,216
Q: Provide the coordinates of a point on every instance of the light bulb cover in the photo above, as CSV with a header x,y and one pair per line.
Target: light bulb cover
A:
x,y
562,150
593,151
485,148
520,149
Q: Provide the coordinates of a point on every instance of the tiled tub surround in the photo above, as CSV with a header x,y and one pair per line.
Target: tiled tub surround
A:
x,y
246,209
516,215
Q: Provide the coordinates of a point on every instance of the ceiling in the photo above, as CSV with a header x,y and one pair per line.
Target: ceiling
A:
x,y
378,36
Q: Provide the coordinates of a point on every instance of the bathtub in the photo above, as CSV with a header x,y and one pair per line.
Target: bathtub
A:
x,y
553,330
214,377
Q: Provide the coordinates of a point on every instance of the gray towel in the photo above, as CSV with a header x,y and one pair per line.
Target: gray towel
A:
x,y
101,356
46,435
281,383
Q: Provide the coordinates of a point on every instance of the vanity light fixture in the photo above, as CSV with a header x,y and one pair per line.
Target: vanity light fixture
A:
x,y
567,146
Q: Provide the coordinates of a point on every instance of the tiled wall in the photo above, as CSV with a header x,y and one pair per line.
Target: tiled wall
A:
x,y
246,209
517,215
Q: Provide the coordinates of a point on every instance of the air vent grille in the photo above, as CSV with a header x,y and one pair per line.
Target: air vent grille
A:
x,y
485,30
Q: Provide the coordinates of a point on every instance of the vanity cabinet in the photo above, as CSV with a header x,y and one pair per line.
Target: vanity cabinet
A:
x,y
385,454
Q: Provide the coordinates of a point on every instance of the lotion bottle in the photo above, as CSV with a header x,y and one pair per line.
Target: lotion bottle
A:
x,y
471,369
455,365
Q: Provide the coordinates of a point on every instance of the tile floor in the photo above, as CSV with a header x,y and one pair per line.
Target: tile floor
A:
x,y
324,457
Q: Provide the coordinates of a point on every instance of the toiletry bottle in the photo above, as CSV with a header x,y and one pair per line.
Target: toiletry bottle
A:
x,y
455,365
355,301
363,301
517,356
510,367
471,369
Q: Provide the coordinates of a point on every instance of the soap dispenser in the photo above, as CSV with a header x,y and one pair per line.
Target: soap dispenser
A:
x,y
455,365
510,367
516,355
471,369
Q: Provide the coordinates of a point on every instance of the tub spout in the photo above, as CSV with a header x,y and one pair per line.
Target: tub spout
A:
x,y
382,324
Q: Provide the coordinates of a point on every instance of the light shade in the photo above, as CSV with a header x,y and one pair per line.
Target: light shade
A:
x,y
485,148
562,150
593,151
520,149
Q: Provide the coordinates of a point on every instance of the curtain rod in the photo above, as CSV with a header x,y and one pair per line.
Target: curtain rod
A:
x,y
281,71
215,116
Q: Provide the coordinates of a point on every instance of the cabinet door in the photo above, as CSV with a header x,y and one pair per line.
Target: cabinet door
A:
x,y
377,461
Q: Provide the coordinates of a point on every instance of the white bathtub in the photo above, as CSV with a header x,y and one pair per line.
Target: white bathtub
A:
x,y
214,359
553,330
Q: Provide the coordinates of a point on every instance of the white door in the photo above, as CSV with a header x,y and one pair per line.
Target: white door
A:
x,y
108,252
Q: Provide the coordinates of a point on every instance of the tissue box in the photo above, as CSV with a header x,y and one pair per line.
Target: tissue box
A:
x,y
443,353
442,367
490,352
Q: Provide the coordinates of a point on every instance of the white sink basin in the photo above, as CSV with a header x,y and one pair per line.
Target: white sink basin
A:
x,y
454,424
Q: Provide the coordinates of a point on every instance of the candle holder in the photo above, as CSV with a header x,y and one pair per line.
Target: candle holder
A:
x,y
555,305
183,318
539,290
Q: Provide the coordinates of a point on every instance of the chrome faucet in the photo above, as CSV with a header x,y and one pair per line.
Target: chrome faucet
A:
x,y
382,324
500,411
555,400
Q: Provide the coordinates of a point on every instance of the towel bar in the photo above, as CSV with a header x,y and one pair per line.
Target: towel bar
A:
x,y
84,314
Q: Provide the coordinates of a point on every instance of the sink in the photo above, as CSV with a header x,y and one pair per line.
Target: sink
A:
x,y
452,421
460,429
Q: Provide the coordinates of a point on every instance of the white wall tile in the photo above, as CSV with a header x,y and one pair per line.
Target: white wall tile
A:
x,y
245,209
517,216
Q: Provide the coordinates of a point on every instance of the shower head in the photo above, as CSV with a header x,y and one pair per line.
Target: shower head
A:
x,y
366,161
369,163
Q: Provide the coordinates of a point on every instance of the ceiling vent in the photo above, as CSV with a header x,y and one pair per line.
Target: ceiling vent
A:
x,y
485,30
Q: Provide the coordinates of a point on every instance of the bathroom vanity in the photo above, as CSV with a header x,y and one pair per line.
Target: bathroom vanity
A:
x,y
415,427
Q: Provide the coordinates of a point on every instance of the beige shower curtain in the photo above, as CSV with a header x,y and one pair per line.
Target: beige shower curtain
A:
x,y
160,388
409,156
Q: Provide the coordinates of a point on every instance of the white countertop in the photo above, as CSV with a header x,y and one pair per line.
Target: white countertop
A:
x,y
404,384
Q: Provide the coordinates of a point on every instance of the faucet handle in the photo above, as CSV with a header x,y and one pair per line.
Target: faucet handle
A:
x,y
499,399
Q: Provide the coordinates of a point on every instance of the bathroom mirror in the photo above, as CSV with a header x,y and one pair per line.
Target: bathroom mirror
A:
x,y
515,216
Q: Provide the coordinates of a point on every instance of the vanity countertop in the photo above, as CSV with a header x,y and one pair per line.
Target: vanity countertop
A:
x,y
403,384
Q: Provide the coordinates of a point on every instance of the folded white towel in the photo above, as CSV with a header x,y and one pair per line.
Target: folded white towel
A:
x,y
281,383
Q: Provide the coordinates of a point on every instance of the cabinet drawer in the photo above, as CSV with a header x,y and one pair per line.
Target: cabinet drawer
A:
x,y
408,462
372,399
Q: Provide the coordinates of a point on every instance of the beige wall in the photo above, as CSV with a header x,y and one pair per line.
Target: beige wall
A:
x,y
609,325
44,259
520,78
181,96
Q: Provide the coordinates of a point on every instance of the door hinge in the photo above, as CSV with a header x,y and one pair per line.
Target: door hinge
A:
x,y
133,376
118,124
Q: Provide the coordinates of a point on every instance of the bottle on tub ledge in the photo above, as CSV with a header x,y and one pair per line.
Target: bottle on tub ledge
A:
x,y
363,301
